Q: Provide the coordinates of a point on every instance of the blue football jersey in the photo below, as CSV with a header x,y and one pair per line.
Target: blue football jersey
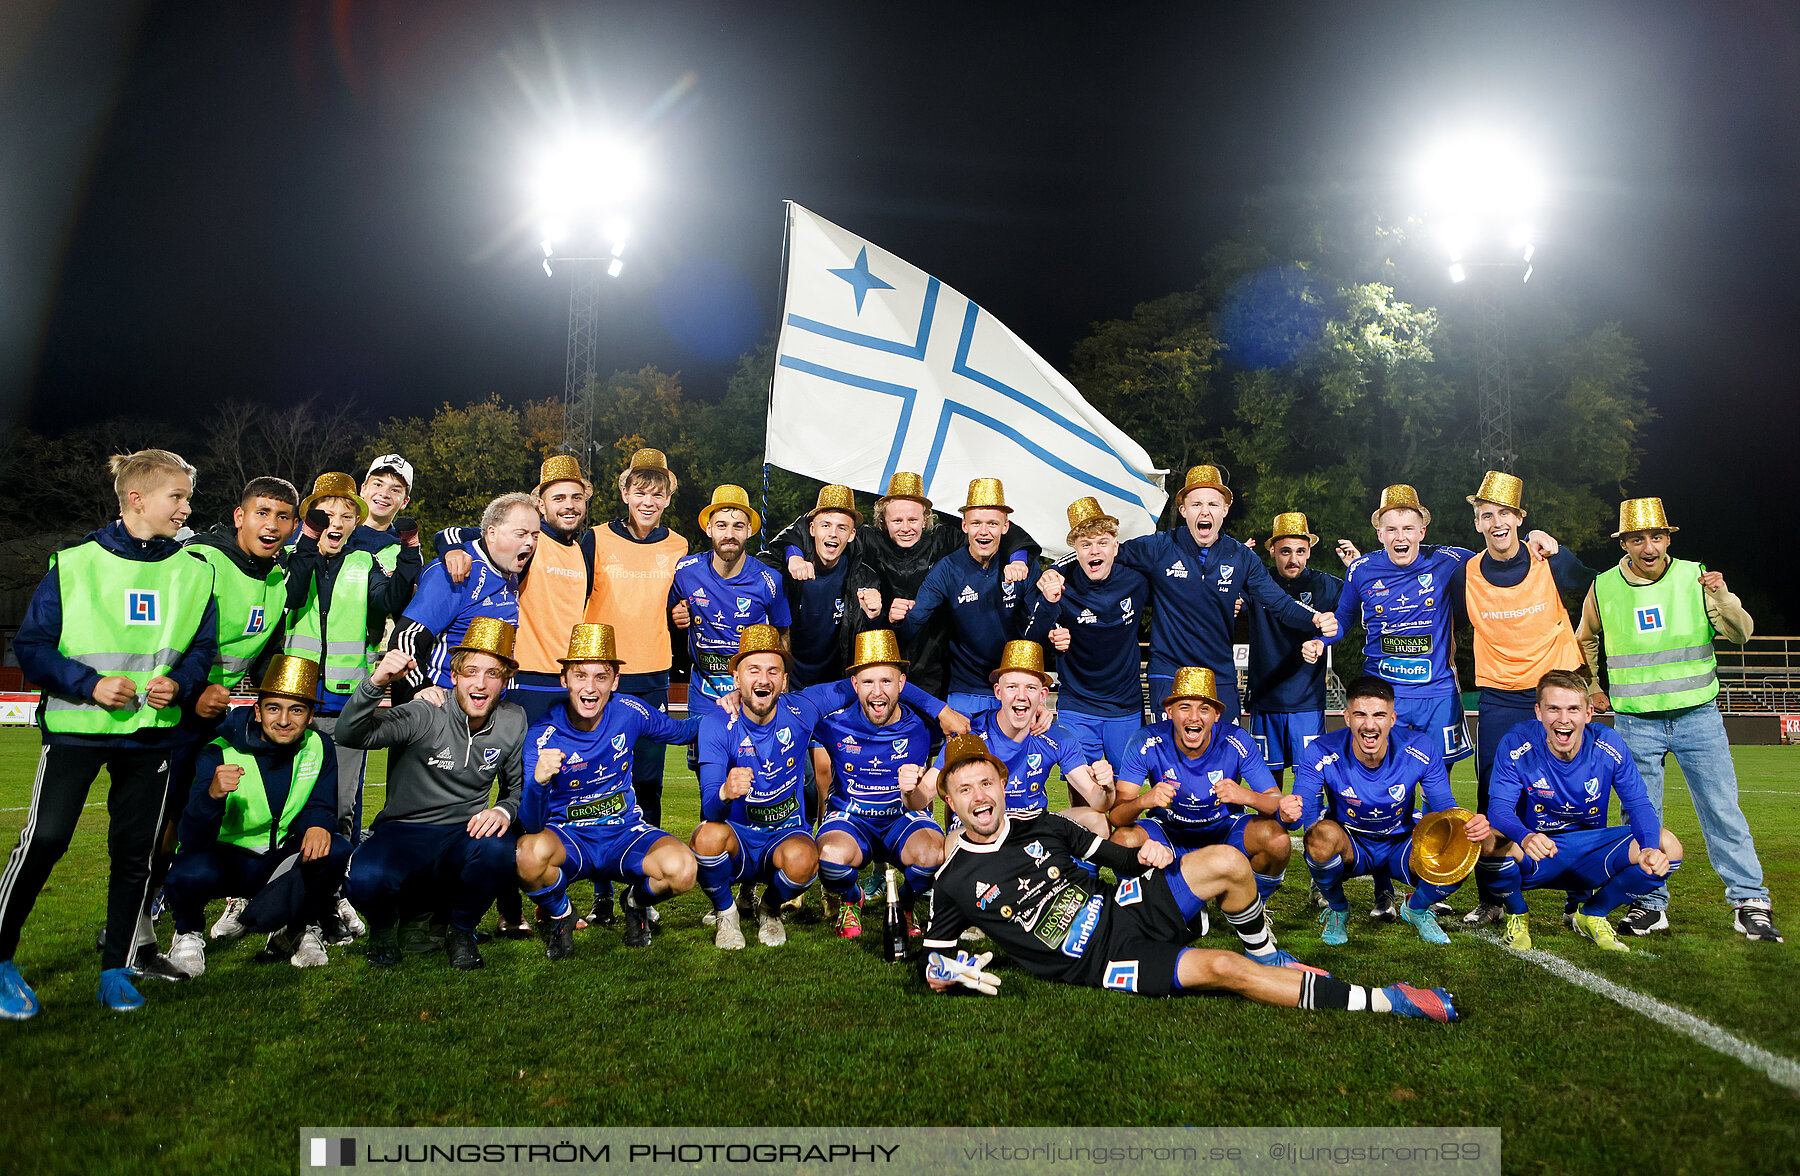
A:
x,y
1378,802
1028,759
777,754
866,759
1153,757
1533,791
593,786
721,610
446,608
1406,614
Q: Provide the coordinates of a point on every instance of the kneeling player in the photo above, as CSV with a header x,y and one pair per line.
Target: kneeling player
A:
x,y
1030,744
579,802
754,769
1015,877
1561,840
1356,788
1186,782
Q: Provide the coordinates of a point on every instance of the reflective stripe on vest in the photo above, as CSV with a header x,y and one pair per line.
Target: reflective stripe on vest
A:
x,y
551,604
1658,640
248,823
343,650
249,609
1520,632
127,618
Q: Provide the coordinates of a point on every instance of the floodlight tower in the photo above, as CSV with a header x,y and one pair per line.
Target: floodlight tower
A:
x,y
1482,194
581,190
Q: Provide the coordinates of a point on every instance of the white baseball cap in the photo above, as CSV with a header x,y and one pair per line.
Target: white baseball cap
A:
x,y
394,462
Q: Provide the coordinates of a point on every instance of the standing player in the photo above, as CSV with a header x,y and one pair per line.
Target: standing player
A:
x,y
1015,877
1011,733
1197,575
387,488
1287,679
120,635
581,816
1091,619
1514,608
1657,617
634,565
717,594
977,591
1568,771
753,774
438,830
823,588
1356,788
1194,780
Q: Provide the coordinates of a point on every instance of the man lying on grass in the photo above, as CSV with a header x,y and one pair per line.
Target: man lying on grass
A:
x,y
1014,876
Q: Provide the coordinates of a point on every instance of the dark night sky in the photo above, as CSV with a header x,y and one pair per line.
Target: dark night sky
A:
x,y
210,199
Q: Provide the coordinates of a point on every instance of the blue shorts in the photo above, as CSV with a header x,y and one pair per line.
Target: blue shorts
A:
x,y
1282,737
1440,717
1585,859
1102,737
1372,853
885,835
1187,838
756,846
614,853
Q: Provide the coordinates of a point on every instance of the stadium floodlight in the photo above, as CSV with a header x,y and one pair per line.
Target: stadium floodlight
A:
x,y
581,187
1480,188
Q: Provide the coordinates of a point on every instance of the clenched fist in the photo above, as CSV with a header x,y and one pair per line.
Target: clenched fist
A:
x,y
225,780
549,762
737,784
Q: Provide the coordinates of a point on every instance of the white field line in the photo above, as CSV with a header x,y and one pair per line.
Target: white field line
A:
x,y
1783,1071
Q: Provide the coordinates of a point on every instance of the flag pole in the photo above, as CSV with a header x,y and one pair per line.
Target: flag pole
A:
x,y
787,231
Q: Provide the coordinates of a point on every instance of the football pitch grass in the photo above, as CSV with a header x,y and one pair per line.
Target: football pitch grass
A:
x,y
220,1073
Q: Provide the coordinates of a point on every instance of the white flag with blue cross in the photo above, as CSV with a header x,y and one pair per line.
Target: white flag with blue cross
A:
x,y
881,368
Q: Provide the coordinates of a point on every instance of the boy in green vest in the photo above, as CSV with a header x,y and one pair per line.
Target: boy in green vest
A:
x,y
339,600
259,821
1656,618
119,637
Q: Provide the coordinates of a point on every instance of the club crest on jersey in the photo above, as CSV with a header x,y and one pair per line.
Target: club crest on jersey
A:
x,y
1008,588
1122,975
1398,792
1037,852
1650,619
985,893
968,596
1130,891
1592,787
743,606
1214,777
784,736
1306,598
490,756
143,606
1177,569
1425,581
1225,577
254,623
900,747
1125,610
620,742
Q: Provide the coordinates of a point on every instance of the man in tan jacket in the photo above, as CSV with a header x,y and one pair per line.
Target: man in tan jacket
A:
x,y
1650,622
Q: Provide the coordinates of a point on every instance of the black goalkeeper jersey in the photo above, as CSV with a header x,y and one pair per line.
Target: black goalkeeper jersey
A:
x,y
1025,890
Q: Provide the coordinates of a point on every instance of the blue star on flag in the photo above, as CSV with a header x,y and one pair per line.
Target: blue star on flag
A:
x,y
861,279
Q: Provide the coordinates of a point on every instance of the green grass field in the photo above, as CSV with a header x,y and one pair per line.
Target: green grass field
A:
x,y
217,1074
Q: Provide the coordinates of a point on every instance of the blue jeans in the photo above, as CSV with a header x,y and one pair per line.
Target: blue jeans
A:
x,y
1696,738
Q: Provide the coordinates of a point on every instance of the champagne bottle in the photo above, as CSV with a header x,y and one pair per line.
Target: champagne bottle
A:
x,y
893,930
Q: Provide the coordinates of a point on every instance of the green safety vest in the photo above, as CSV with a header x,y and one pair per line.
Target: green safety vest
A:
x,y
388,560
124,618
1658,639
248,823
342,651
249,610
